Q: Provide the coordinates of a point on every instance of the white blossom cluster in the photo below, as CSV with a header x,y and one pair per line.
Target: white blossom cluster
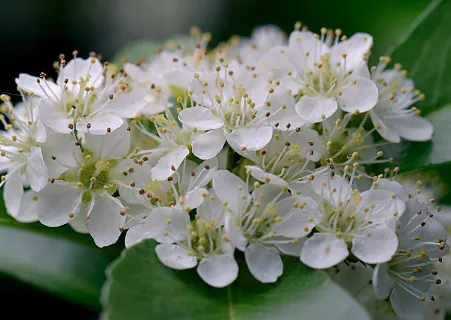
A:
x,y
261,145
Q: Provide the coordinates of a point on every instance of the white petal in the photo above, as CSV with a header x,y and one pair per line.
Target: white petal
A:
x,y
194,198
37,174
412,128
13,194
234,233
393,186
218,270
163,169
284,116
301,42
285,206
128,104
212,208
100,124
105,220
203,176
158,228
325,185
315,109
277,59
291,248
30,84
173,256
383,208
406,306
263,262
136,234
63,147
361,96
78,223
201,118
200,176
55,202
135,73
388,133
323,251
267,193
228,187
254,138
53,118
263,176
375,245
309,142
79,67
111,145
27,212
356,47
297,223
382,282
207,145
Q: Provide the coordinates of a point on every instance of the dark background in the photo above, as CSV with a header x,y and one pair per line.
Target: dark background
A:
x,y
34,32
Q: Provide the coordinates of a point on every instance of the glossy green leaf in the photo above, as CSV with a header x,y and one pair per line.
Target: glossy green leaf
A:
x,y
424,50
58,260
140,287
63,267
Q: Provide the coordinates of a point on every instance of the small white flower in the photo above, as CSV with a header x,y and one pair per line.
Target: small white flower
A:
x,y
345,219
394,116
239,105
87,185
185,244
168,74
86,97
288,159
262,224
252,50
21,157
185,189
170,141
407,277
325,73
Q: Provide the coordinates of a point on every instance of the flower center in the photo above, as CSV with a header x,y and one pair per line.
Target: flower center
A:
x,y
203,237
95,175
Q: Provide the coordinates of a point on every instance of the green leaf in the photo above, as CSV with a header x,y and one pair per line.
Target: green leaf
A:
x,y
57,260
139,287
65,268
424,50
421,155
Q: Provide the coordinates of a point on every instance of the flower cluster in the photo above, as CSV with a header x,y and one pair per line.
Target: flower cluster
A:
x,y
263,145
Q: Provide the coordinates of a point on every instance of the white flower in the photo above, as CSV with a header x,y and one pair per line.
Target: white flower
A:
x,y
86,97
394,116
407,277
345,219
252,50
262,224
185,244
238,105
87,186
288,159
21,157
167,76
326,74
172,141
184,189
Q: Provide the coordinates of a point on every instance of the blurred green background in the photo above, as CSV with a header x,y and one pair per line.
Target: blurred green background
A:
x,y
35,32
